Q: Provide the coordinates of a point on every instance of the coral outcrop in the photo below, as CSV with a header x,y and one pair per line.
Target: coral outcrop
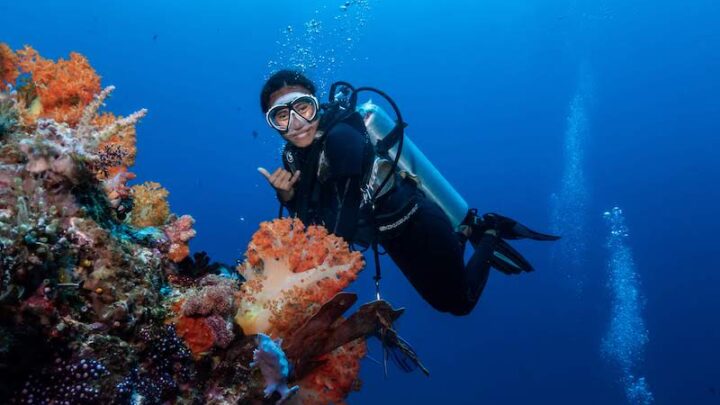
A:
x,y
100,298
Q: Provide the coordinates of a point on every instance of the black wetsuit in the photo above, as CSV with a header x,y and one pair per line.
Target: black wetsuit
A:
x,y
425,246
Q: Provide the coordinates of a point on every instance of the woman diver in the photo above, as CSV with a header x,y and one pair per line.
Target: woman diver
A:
x,y
332,176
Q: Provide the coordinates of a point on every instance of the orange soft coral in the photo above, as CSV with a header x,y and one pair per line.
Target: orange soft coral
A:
x,y
64,87
150,206
335,378
8,66
291,271
196,333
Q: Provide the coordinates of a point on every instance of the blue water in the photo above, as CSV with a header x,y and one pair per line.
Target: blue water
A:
x,y
491,91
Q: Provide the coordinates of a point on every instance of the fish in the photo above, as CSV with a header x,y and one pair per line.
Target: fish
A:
x,y
274,366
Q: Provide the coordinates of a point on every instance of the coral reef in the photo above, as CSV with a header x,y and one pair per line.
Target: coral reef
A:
x,y
80,286
100,299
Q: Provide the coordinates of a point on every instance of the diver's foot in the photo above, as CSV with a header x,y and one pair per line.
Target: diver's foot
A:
x,y
487,234
466,230
475,227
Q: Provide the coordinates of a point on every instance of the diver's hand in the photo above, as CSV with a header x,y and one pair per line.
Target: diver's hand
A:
x,y
282,181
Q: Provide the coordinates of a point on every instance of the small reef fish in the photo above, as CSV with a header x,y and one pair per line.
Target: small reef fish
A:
x,y
273,364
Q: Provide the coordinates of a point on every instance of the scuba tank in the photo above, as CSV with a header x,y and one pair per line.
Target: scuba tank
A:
x,y
416,164
393,145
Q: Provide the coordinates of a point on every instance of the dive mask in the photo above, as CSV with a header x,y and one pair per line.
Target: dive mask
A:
x,y
294,105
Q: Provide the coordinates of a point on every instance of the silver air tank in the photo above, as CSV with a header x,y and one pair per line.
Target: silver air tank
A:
x,y
412,160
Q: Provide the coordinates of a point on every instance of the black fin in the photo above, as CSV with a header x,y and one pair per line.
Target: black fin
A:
x,y
508,260
500,255
509,228
528,233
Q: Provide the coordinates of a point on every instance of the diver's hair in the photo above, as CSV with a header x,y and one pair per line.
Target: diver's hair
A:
x,y
281,79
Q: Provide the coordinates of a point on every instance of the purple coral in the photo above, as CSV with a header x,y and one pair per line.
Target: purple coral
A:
x,y
168,365
65,382
153,388
221,330
164,347
215,298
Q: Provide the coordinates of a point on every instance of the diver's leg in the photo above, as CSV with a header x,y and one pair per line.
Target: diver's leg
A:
x,y
477,268
431,256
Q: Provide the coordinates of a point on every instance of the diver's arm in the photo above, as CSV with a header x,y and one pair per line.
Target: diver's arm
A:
x,y
290,205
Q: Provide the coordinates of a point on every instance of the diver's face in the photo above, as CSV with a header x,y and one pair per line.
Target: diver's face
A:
x,y
300,133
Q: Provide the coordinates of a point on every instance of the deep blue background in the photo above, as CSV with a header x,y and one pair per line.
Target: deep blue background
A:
x,y
486,88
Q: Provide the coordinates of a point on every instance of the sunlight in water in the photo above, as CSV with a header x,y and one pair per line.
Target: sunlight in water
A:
x,y
627,336
569,205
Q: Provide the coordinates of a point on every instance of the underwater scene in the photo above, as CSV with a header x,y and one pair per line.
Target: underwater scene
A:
x,y
359,202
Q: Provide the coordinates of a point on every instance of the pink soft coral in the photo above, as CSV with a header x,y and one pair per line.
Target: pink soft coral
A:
x,y
180,232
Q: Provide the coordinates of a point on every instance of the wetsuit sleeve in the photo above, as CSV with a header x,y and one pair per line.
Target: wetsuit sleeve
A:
x,y
290,205
345,151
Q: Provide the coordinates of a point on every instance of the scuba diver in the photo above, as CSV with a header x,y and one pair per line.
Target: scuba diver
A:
x,y
334,175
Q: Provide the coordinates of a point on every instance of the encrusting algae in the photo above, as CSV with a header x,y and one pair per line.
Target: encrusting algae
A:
x,y
100,298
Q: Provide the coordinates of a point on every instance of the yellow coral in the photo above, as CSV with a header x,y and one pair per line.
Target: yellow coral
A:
x,y
150,206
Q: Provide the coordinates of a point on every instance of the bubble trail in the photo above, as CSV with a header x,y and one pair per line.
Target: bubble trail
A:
x,y
569,205
624,343
321,45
